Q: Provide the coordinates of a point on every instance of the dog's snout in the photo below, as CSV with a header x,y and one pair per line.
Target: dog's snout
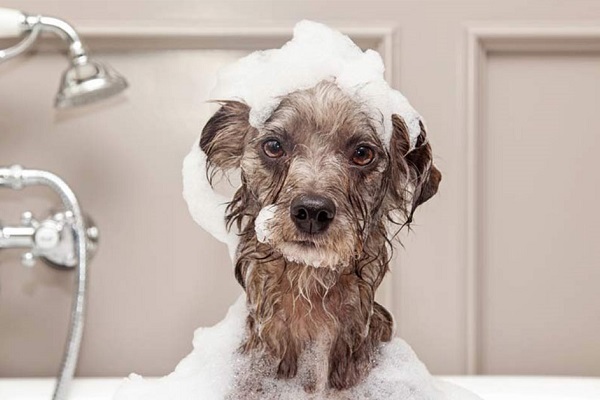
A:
x,y
312,213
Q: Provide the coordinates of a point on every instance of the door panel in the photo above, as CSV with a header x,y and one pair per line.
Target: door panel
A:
x,y
540,258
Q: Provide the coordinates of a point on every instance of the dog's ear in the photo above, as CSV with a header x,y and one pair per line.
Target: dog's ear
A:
x,y
414,178
224,136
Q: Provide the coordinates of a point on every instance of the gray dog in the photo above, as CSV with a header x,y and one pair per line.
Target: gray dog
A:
x,y
336,196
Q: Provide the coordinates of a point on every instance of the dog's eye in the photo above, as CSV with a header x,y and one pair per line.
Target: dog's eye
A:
x,y
363,155
273,148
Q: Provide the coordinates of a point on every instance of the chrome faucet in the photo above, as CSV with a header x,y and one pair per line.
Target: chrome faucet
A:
x,y
63,240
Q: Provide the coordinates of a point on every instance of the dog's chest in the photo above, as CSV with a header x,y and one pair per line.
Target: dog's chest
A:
x,y
310,301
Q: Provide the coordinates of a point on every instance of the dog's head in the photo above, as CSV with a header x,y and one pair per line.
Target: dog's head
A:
x,y
317,181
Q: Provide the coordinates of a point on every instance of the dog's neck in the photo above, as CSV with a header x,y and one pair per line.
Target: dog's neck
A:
x,y
292,307
294,290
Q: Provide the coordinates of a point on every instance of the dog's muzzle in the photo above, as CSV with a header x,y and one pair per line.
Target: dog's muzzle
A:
x,y
312,213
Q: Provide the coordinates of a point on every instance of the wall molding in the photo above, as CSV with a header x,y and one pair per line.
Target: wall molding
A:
x,y
481,40
111,36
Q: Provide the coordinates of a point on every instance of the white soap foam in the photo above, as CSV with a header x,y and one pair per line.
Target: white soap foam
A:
x,y
206,373
315,53
204,203
262,222
214,367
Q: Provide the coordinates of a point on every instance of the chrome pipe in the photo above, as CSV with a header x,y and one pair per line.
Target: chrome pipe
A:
x,y
62,29
34,25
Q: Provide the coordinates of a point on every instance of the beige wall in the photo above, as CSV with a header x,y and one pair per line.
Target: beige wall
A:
x,y
501,272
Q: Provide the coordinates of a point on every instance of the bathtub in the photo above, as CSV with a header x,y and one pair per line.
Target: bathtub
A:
x,y
488,387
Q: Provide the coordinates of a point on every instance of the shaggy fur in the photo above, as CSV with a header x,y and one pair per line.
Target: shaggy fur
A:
x,y
307,289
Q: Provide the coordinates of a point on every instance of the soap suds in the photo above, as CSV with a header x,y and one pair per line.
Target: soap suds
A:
x,y
262,222
315,53
215,370
206,373
206,206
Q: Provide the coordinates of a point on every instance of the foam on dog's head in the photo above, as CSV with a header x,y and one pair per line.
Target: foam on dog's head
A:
x,y
315,53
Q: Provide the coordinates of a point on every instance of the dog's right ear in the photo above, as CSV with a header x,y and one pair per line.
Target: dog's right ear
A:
x,y
224,136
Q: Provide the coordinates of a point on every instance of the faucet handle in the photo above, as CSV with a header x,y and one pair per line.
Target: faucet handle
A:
x,y
47,235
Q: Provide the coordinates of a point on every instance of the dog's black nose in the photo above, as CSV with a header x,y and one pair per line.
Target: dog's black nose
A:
x,y
312,213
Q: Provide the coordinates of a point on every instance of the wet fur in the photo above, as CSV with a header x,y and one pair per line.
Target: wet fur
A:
x,y
292,305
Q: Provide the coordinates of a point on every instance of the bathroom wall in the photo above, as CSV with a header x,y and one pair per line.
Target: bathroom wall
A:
x,y
501,271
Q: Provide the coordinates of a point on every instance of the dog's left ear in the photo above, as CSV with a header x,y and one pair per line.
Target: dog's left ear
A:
x,y
414,177
224,136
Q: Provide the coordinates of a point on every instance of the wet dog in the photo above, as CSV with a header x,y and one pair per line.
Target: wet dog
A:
x,y
321,199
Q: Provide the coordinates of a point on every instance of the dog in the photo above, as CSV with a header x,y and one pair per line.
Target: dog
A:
x,y
334,197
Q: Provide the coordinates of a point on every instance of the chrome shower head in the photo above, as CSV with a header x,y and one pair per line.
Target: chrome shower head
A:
x,y
87,81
